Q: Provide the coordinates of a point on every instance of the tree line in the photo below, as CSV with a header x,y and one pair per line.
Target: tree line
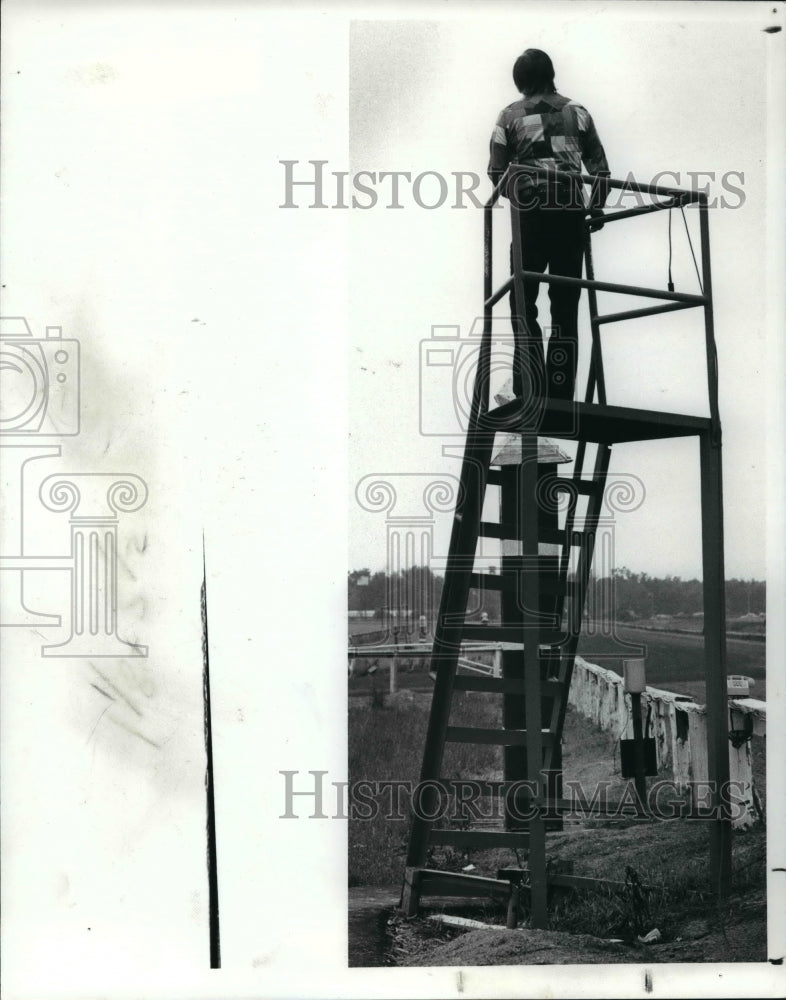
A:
x,y
623,595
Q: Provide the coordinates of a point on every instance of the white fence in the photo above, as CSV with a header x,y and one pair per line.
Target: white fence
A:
x,y
678,724
679,727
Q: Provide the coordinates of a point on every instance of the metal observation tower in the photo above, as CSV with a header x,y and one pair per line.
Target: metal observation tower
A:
x,y
542,604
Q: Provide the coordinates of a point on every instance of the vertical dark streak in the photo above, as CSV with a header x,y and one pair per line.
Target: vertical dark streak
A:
x,y
212,858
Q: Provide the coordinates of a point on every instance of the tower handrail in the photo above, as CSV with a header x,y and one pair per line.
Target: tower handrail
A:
x,y
675,197
685,195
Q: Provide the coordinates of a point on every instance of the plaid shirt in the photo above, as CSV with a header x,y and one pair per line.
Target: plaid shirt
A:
x,y
549,131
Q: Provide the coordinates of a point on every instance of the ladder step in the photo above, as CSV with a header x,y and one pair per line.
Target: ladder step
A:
x,y
436,883
584,486
587,487
549,536
545,563
479,838
505,685
557,537
599,422
496,737
513,633
549,582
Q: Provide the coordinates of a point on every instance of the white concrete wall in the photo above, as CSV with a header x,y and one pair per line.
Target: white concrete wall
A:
x,y
679,728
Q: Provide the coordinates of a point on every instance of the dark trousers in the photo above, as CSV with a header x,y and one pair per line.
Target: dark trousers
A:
x,y
553,239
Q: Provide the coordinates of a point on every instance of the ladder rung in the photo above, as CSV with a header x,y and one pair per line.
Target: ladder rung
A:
x,y
556,536
479,838
496,737
587,486
545,563
549,583
436,883
505,685
550,536
513,633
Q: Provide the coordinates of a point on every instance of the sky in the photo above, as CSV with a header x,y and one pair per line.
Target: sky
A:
x,y
423,97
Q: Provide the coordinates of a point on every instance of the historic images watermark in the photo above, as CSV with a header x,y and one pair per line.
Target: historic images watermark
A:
x,y
311,184
307,795
39,405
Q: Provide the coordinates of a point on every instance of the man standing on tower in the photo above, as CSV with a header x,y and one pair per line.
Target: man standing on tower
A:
x,y
550,132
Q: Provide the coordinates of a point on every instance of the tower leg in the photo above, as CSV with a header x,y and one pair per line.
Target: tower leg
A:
x,y
410,895
715,661
528,472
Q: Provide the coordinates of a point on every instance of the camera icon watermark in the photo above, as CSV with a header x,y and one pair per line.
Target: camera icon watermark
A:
x,y
448,370
39,381
39,403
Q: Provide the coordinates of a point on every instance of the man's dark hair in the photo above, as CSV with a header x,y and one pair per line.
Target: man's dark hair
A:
x,y
533,73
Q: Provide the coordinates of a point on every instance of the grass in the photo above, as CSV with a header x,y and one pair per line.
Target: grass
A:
x,y
382,746
386,744
670,863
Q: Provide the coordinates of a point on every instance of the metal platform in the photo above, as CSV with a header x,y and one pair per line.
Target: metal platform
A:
x,y
602,424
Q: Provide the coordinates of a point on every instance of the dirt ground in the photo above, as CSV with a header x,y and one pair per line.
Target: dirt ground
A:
x,y
742,939
669,858
381,936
